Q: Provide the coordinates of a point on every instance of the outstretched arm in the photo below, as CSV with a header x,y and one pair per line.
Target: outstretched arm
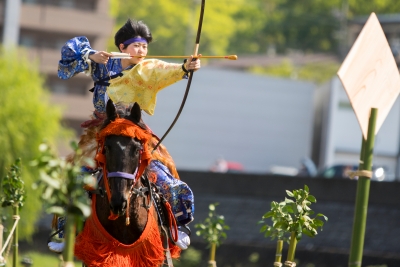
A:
x,y
100,57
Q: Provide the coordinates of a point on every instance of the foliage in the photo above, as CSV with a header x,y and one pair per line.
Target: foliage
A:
x,y
359,7
277,215
173,24
13,187
212,229
306,26
27,118
293,215
247,27
44,259
312,72
189,258
62,183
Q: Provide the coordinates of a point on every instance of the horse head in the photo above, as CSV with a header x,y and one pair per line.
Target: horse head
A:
x,y
123,149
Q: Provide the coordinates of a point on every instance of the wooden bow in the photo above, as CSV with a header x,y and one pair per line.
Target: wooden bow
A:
x,y
196,48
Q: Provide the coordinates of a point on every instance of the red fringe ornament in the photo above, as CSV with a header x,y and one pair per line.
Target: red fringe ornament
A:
x,y
96,247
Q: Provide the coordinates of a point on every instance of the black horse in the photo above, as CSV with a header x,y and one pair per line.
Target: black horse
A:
x,y
123,229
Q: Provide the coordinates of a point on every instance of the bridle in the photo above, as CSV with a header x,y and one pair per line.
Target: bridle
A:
x,y
126,128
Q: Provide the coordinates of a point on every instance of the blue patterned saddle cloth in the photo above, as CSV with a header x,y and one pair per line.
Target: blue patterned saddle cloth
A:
x,y
177,193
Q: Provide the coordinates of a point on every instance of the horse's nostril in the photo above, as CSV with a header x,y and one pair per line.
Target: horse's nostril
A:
x,y
118,207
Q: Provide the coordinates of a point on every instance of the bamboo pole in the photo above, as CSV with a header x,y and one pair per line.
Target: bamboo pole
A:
x,y
1,235
278,254
212,262
292,249
362,196
70,231
15,237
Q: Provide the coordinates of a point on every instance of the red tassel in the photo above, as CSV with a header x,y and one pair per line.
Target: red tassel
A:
x,y
97,248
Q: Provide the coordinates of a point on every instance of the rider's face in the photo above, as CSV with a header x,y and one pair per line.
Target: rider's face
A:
x,y
136,49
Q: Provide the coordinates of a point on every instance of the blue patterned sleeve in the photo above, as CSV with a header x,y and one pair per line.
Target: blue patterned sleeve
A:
x,y
74,57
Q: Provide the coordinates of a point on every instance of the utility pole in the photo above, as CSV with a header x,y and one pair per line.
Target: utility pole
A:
x,y
11,23
341,34
190,33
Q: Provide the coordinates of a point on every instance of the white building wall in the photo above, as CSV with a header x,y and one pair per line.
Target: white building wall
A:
x,y
256,120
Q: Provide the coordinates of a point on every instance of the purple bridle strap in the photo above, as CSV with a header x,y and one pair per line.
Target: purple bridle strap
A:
x,y
123,175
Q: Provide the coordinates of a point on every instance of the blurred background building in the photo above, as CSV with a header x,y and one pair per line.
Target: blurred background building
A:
x,y
265,124
41,27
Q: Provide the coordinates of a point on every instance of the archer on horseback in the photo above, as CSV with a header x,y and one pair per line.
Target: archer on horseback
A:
x,y
140,80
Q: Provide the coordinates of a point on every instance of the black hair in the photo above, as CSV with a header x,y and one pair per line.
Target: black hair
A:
x,y
131,29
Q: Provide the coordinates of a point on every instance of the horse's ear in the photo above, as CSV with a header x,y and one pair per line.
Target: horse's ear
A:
x,y
110,110
136,113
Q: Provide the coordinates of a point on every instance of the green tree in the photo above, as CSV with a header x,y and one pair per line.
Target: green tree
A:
x,y
308,26
27,118
249,22
319,72
173,24
360,7
247,27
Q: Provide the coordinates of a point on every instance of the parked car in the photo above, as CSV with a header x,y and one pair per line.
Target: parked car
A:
x,y
222,165
379,173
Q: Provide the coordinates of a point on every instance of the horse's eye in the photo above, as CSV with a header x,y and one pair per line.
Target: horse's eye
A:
x,y
106,148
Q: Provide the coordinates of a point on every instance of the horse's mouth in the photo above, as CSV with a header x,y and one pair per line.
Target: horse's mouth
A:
x,y
120,212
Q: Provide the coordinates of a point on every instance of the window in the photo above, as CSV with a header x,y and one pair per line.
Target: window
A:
x,y
27,41
30,1
59,88
67,3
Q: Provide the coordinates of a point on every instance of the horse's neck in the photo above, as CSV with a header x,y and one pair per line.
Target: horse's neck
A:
x,y
126,234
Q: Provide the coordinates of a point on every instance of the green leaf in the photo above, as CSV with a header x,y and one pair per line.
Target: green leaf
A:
x,y
299,236
322,215
299,208
263,228
287,200
49,180
56,210
268,214
43,147
306,188
311,198
307,232
318,222
290,194
85,209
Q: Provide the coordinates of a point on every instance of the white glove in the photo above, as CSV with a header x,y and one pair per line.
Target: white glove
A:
x,y
183,240
56,247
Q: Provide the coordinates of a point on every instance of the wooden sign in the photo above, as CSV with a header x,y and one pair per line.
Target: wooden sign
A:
x,y
370,76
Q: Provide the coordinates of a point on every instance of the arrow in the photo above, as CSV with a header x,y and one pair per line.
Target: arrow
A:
x,y
125,55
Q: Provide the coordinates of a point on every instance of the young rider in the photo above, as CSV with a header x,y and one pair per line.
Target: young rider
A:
x,y
143,78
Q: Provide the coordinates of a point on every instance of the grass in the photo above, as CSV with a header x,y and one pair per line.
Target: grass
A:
x,y
40,259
